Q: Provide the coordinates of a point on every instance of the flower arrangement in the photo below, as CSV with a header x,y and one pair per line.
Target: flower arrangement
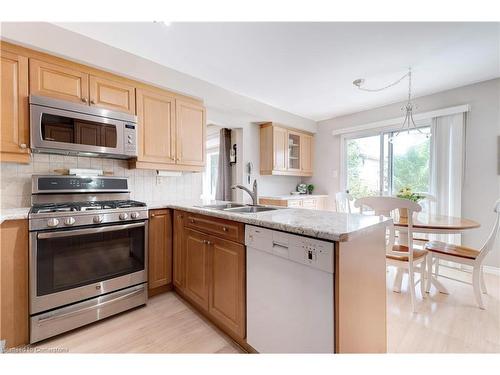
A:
x,y
406,193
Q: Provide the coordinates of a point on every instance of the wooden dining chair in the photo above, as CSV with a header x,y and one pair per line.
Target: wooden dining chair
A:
x,y
343,201
467,256
403,256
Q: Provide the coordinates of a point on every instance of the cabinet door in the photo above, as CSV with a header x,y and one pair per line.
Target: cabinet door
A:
x,y
190,133
294,151
227,284
280,149
306,154
160,248
58,82
112,95
14,122
179,253
156,118
197,267
14,296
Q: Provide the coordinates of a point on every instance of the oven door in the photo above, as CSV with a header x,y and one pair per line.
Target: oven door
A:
x,y
74,133
68,266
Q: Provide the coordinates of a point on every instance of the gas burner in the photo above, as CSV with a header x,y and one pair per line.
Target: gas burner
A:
x,y
54,207
94,205
128,204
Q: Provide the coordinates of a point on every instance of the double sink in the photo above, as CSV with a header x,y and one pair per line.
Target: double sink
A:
x,y
239,208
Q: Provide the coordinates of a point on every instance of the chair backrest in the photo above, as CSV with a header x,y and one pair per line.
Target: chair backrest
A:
x,y
385,206
427,202
343,202
488,245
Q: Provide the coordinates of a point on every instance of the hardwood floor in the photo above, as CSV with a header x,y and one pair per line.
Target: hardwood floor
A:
x,y
166,325
444,323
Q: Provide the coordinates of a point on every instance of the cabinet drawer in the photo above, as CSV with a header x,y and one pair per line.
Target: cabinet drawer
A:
x,y
295,203
309,203
225,229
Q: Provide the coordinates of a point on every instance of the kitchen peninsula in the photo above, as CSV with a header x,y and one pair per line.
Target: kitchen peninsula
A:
x,y
195,241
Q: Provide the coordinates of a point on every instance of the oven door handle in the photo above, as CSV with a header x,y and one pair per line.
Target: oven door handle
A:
x,y
77,232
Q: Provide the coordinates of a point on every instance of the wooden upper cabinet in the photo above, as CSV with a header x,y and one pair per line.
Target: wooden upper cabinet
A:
x,y
14,118
190,133
112,95
160,248
59,82
280,149
156,120
285,151
306,154
227,284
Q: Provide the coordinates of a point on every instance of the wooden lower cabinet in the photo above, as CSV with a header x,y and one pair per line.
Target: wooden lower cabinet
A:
x,y
14,313
209,271
160,251
179,260
197,267
227,284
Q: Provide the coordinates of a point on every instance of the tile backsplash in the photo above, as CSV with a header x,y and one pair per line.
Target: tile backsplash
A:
x,y
15,185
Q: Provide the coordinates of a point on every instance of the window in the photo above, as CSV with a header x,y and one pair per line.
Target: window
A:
x,y
383,163
210,173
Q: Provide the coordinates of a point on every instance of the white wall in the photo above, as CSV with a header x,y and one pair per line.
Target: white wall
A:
x,y
224,108
221,104
481,186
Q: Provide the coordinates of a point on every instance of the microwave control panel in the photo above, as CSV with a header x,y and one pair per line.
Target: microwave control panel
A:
x,y
130,139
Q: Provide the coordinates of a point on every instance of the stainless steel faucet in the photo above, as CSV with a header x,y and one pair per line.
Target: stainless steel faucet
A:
x,y
253,194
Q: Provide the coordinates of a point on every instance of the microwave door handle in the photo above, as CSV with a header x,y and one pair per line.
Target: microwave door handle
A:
x,y
76,232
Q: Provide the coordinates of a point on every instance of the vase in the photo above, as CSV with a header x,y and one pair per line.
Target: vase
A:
x,y
403,213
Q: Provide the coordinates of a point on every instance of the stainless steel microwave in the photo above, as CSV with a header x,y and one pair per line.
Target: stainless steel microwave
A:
x,y
67,128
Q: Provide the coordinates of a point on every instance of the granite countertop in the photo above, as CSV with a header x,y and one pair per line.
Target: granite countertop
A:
x,y
325,225
286,197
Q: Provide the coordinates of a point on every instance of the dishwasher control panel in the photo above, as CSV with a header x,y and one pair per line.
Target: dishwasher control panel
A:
x,y
315,253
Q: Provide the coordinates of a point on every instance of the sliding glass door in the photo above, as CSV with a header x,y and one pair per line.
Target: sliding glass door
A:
x,y
384,163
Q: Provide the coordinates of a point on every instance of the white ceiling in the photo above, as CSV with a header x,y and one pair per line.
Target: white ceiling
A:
x,y
308,68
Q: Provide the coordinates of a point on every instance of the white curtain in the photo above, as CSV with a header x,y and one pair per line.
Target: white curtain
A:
x,y
447,167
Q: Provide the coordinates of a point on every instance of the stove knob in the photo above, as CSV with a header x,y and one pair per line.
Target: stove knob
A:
x,y
123,216
52,222
69,221
134,215
98,219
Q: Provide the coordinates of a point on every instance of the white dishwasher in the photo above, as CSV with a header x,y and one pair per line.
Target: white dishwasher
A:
x,y
289,292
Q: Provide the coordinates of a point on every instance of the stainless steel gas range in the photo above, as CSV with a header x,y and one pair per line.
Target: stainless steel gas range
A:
x,y
88,252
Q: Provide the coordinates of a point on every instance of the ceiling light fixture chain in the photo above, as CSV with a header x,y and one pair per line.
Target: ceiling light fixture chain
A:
x,y
408,108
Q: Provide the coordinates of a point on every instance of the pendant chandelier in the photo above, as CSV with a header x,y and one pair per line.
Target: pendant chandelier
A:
x,y
408,108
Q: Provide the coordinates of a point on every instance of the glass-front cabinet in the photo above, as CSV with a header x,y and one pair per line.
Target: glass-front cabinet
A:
x,y
285,151
293,151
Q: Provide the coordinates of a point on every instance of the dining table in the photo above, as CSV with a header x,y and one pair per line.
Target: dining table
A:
x,y
428,223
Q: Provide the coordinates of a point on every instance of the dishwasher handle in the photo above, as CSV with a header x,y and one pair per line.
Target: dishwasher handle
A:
x,y
280,249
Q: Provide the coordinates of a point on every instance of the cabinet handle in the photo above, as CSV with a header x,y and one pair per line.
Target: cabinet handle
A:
x,y
84,100
224,229
191,221
22,145
92,101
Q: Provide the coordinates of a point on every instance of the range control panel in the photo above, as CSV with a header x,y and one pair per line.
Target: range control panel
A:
x,y
309,251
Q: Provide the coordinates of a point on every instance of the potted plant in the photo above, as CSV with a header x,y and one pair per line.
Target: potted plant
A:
x,y
406,193
310,188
